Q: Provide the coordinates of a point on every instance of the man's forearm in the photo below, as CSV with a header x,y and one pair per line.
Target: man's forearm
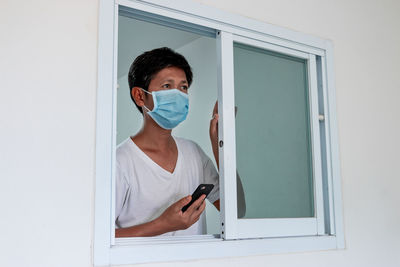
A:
x,y
216,154
241,201
151,228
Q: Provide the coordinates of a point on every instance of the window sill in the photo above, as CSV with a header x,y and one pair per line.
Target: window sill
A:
x,y
143,250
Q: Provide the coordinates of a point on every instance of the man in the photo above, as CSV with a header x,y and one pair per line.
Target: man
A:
x,y
155,171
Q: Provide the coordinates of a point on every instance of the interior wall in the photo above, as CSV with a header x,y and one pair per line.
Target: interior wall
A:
x,y
48,69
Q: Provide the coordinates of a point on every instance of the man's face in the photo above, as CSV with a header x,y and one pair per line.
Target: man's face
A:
x,y
166,79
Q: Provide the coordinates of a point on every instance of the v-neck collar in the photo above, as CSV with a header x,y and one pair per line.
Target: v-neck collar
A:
x,y
151,162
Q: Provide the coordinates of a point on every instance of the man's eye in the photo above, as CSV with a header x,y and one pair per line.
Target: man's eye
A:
x,y
166,86
184,87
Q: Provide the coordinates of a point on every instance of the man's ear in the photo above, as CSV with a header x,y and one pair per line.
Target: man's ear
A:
x,y
138,96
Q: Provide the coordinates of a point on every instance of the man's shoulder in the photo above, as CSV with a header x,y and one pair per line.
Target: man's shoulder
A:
x,y
191,148
124,151
186,144
124,145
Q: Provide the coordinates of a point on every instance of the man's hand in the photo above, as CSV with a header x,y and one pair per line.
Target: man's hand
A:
x,y
171,219
214,132
174,219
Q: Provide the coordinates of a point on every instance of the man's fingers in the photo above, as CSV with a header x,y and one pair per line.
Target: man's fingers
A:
x,y
196,204
214,126
199,201
197,218
183,201
214,121
199,210
201,207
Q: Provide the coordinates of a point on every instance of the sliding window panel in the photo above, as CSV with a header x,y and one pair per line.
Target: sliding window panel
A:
x,y
277,140
226,122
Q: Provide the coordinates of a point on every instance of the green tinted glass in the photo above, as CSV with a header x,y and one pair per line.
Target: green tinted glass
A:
x,y
273,145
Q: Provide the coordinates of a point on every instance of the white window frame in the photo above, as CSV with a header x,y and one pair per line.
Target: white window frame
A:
x,y
329,227
277,227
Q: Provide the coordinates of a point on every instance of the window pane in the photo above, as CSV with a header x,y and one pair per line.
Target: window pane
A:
x,y
200,52
273,146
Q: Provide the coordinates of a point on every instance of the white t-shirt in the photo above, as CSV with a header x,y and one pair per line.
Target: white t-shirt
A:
x,y
144,190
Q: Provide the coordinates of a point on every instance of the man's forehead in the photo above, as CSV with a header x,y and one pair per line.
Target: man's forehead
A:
x,y
171,74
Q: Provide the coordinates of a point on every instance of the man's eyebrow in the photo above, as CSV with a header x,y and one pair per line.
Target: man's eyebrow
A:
x,y
171,80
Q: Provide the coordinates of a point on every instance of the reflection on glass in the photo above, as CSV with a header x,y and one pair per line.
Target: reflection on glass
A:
x,y
273,146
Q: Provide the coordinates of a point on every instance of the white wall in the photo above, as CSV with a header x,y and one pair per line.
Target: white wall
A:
x,y
47,118
48,62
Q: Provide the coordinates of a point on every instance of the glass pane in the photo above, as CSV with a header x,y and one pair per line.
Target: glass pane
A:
x,y
200,52
273,146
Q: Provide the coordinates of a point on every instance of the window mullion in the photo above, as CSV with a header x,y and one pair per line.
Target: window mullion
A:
x,y
226,125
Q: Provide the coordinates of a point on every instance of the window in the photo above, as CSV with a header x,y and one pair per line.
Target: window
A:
x,y
139,32
282,142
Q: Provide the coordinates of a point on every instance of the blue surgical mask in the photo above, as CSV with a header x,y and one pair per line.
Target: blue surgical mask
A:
x,y
170,107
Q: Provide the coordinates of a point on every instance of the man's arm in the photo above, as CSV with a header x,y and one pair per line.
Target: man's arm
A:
x,y
241,205
172,219
216,204
214,133
152,228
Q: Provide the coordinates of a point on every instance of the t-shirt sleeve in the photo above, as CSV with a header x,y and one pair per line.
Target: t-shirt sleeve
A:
x,y
121,192
211,175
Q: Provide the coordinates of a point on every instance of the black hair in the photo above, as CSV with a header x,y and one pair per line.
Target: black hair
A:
x,y
148,64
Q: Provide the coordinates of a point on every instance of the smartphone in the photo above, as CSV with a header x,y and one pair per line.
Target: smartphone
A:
x,y
200,190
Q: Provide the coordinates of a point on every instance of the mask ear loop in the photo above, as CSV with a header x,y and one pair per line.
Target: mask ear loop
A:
x,y
146,91
147,109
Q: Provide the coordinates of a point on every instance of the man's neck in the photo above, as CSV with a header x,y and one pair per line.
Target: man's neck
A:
x,y
153,137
